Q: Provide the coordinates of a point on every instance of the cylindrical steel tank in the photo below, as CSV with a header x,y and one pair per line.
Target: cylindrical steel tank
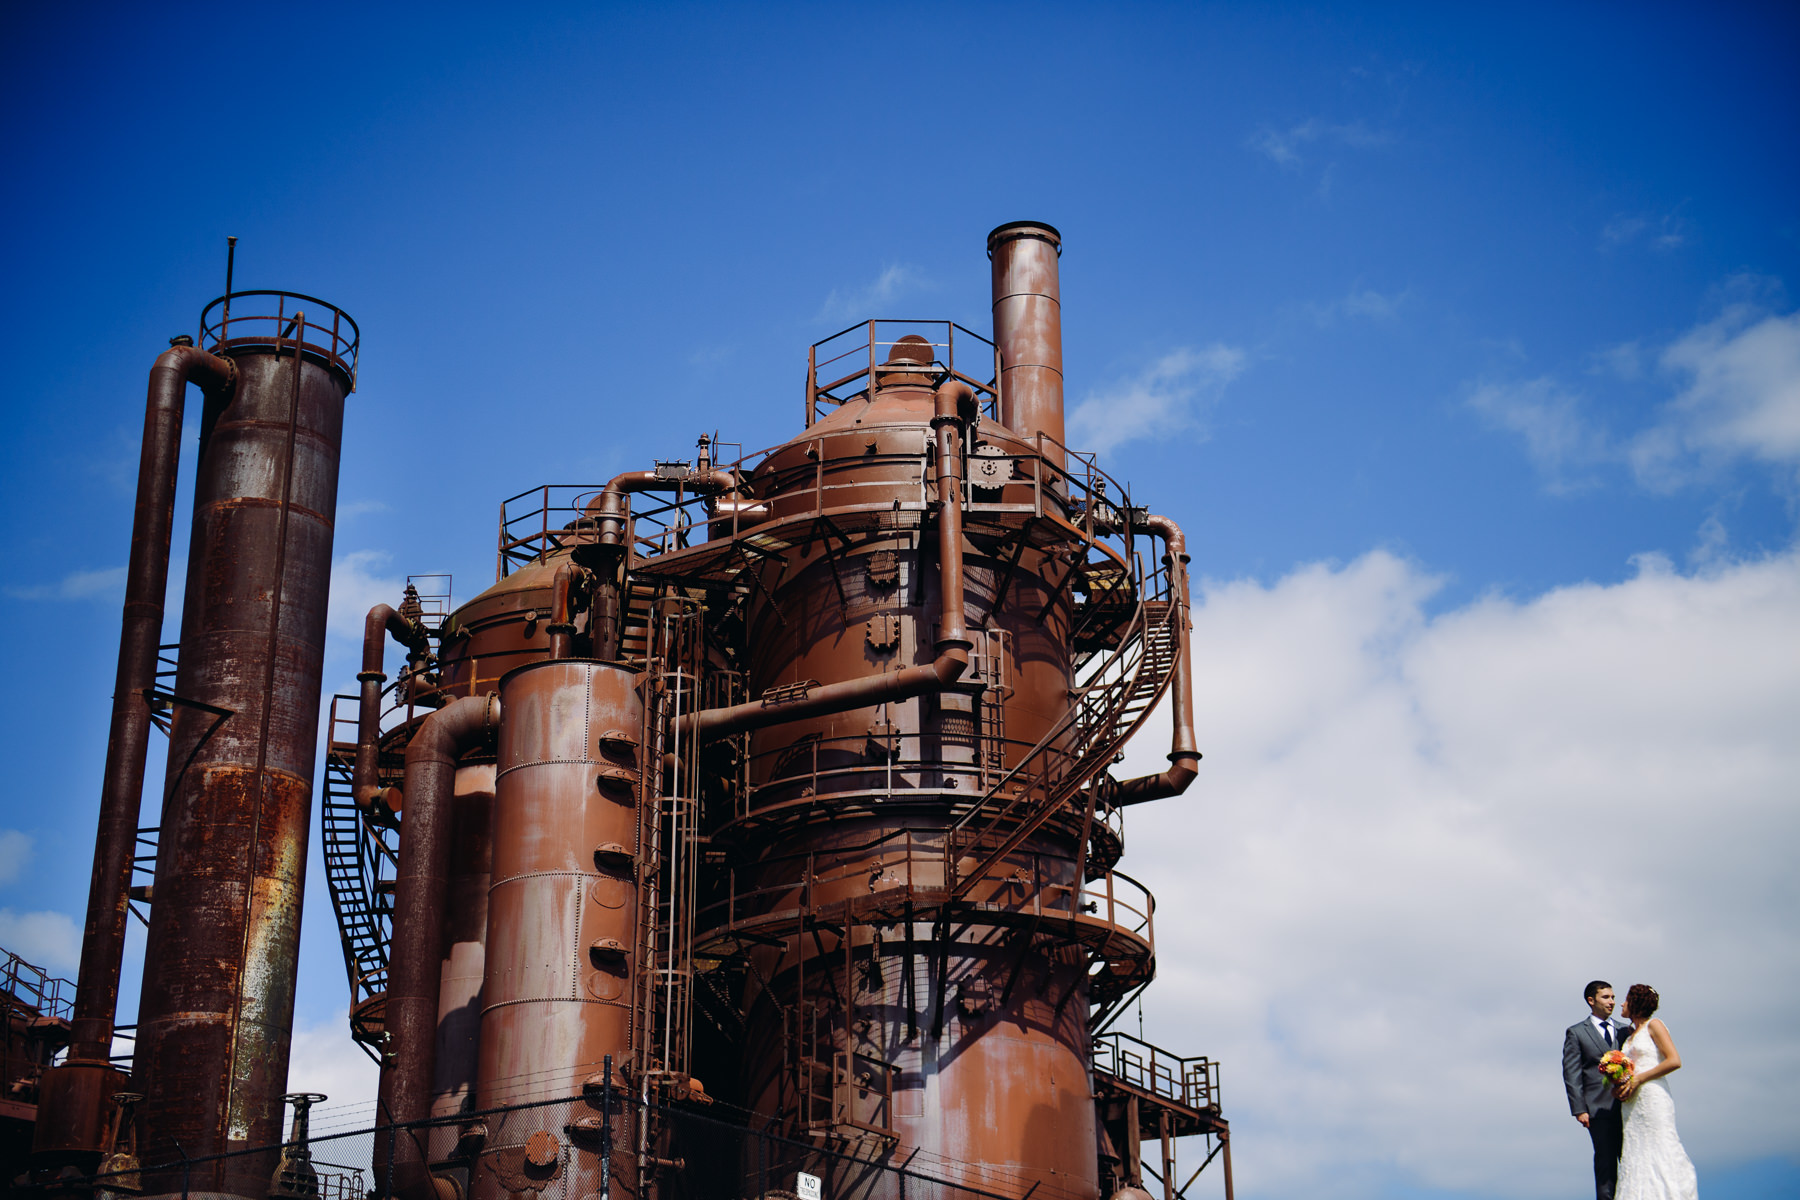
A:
x,y
1028,329
562,929
465,941
830,613
215,1016
502,628
846,805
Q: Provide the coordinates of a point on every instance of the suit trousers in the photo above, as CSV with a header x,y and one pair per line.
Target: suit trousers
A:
x,y
1607,1128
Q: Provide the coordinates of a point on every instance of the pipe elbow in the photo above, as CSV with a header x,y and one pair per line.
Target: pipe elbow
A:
x,y
384,620
1183,770
952,400
1170,533
447,732
190,364
951,662
375,627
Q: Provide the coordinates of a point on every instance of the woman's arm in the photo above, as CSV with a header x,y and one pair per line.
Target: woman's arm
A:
x,y
1659,1033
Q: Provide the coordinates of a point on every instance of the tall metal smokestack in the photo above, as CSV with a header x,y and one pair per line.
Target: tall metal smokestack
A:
x,y
219,965
1028,330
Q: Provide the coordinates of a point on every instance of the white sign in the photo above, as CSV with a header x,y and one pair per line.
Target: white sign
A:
x,y
808,1187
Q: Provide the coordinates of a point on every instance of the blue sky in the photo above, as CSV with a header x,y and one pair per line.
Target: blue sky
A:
x,y
1459,341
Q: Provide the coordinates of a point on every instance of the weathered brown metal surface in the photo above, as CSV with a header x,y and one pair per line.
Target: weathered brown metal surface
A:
x,y
1028,329
421,894
563,917
72,1117
216,1009
979,1029
818,741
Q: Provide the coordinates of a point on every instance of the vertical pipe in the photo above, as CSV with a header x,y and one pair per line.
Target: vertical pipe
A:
x,y
77,1094
950,401
230,268
562,959
1168,1156
421,884
1028,330
221,957
382,620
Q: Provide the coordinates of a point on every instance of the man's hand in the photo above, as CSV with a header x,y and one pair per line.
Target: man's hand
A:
x,y
1583,1118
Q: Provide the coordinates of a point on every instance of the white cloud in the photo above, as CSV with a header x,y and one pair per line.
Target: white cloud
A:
x,y
105,584
1558,436
1667,232
1736,396
44,939
15,852
356,587
1165,398
1415,837
849,304
1284,146
323,1059
1741,397
1360,304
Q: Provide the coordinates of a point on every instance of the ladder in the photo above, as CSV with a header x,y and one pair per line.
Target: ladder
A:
x,y
355,857
1108,709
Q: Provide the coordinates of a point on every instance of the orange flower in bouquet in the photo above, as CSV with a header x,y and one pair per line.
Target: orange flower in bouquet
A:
x,y
1616,1067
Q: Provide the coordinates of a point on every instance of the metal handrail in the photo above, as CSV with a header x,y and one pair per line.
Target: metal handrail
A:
x,y
1192,1081
34,986
283,327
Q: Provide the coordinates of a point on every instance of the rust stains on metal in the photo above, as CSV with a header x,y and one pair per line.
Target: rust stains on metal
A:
x,y
216,1010
799,794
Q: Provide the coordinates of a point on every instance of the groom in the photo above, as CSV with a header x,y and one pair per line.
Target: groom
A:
x,y
1591,1096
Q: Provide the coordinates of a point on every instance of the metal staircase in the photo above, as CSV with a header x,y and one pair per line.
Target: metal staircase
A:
x,y
1107,710
359,870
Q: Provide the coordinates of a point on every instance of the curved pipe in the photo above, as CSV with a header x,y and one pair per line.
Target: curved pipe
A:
x,y
611,508
122,786
421,883
382,620
1184,756
562,625
952,402
610,511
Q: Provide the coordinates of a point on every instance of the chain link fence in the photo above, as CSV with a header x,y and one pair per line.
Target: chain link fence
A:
x,y
605,1144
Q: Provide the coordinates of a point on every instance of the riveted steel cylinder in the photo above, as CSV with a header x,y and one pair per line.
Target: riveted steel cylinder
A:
x,y
562,926
215,1017
1028,329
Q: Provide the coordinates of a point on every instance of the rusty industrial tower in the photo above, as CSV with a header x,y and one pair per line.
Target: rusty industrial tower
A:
x,y
773,786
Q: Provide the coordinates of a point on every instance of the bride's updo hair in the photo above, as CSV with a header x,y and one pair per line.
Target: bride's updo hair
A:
x,y
1641,1001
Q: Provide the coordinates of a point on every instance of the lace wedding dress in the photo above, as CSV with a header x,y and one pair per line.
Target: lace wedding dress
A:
x,y
1652,1166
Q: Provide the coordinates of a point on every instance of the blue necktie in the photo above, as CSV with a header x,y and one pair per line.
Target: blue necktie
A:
x,y
1606,1031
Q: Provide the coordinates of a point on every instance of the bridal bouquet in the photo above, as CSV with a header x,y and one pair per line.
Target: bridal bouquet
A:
x,y
1616,1067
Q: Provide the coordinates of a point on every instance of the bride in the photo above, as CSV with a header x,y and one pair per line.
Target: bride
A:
x,y
1652,1165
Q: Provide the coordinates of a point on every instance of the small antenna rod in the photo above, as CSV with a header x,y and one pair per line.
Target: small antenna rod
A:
x,y
230,263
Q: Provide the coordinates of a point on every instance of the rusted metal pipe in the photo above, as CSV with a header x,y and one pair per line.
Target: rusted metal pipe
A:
x,y
610,508
65,1122
1028,330
382,620
1184,755
953,400
562,626
221,955
610,511
421,883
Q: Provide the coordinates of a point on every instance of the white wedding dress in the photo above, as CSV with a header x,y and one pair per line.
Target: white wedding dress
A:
x,y
1652,1165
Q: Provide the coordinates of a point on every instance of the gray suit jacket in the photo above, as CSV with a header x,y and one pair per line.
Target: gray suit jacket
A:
x,y
1589,1091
